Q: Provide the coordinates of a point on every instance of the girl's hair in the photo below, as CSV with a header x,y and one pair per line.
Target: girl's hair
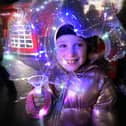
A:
x,y
65,30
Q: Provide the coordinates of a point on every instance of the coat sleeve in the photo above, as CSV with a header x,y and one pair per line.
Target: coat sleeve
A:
x,y
103,110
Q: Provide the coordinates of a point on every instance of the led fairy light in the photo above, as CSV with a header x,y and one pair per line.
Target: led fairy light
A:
x,y
42,113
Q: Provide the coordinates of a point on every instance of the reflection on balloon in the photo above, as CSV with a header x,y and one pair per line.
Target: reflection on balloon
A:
x,y
114,37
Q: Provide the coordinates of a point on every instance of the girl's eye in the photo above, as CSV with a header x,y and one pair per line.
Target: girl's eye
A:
x,y
62,46
79,44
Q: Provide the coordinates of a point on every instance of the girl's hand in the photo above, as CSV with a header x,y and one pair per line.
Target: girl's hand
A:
x,y
38,100
35,102
42,99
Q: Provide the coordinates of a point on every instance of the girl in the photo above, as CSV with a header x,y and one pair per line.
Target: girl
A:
x,y
79,94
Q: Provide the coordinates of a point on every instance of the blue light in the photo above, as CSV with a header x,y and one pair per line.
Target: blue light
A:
x,y
32,26
37,9
67,13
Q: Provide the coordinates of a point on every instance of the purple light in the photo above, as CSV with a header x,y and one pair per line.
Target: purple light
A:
x,y
40,56
70,95
48,64
32,26
97,112
37,9
105,15
42,112
46,55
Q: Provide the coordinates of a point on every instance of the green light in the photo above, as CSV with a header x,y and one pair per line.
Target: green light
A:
x,y
105,36
8,57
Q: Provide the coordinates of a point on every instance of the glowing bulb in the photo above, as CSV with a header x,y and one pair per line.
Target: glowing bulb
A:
x,y
64,62
42,112
67,13
48,64
97,112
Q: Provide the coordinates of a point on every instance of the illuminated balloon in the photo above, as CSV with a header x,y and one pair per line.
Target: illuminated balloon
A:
x,y
114,36
36,24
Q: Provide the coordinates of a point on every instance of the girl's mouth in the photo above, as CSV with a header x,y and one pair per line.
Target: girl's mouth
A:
x,y
73,61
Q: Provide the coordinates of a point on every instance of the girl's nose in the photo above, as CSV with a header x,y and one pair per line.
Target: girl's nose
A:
x,y
71,52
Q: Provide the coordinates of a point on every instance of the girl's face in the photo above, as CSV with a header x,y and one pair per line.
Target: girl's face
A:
x,y
71,52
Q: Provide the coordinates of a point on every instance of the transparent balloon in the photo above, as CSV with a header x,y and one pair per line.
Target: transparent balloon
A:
x,y
30,44
31,32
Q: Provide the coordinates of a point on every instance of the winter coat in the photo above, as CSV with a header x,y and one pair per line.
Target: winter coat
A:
x,y
84,98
